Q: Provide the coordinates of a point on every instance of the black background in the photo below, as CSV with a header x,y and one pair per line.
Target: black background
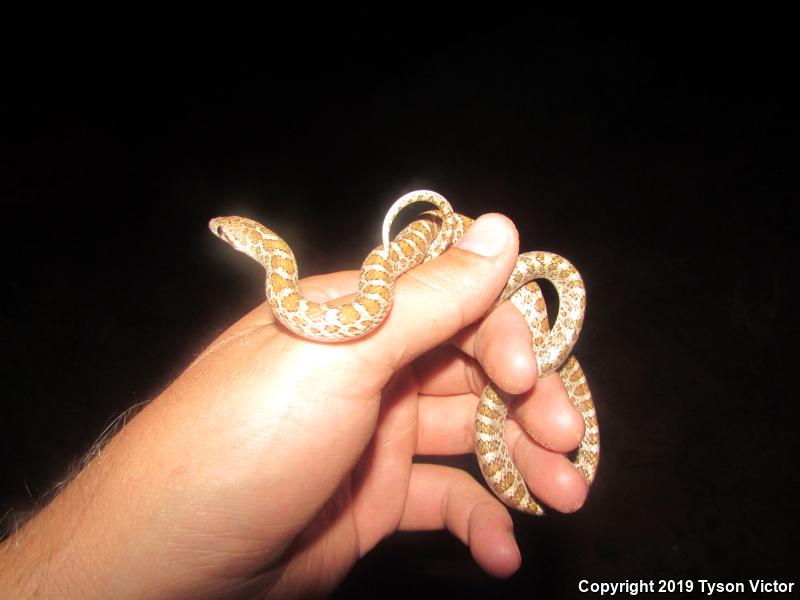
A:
x,y
652,151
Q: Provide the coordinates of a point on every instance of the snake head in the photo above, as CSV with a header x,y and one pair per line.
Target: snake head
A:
x,y
235,231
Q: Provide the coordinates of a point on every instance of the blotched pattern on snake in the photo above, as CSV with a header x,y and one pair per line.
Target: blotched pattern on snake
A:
x,y
423,240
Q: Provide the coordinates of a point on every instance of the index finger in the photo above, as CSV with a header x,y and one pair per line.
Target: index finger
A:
x,y
499,344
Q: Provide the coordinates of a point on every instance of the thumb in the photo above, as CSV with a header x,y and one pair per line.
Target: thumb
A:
x,y
435,300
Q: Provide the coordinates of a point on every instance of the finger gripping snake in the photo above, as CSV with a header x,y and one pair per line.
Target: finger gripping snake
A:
x,y
423,240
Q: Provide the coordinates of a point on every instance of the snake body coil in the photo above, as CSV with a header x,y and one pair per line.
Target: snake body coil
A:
x,y
423,240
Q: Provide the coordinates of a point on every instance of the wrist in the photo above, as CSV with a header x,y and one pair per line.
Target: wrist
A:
x,y
87,542
49,556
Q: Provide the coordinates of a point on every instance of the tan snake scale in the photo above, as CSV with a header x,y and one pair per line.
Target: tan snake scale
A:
x,y
423,240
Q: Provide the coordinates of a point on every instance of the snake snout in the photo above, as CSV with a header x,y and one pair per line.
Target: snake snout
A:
x,y
216,228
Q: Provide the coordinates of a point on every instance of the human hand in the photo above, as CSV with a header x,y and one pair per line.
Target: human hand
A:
x,y
273,463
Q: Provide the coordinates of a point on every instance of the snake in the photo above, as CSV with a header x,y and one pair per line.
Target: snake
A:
x,y
423,240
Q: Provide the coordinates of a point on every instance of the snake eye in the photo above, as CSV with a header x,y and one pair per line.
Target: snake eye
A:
x,y
220,230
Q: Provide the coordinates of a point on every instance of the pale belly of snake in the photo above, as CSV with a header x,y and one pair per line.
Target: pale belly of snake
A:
x,y
423,240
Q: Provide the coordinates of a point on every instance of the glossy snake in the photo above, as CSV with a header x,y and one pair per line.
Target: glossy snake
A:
x,y
423,240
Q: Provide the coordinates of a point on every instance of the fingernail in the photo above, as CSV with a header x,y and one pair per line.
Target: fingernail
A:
x,y
488,236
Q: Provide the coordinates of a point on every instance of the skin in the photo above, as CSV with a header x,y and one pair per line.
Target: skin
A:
x,y
253,475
